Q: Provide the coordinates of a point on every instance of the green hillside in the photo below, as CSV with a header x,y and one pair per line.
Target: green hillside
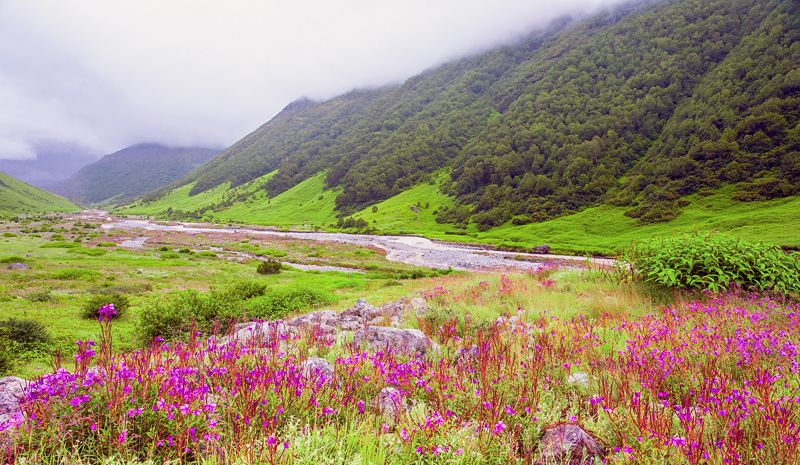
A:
x,y
18,197
638,113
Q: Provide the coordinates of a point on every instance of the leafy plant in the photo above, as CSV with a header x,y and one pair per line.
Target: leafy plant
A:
x,y
714,261
26,333
72,274
279,302
169,255
121,302
7,352
269,266
39,296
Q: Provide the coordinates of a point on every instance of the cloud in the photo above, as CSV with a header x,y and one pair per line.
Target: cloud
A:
x,y
108,74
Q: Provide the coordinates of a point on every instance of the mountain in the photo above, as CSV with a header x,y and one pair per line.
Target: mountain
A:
x,y
19,197
54,162
636,107
131,171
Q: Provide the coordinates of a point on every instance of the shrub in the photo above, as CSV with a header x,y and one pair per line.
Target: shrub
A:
x,y
123,289
279,302
106,244
164,248
244,290
26,333
72,274
60,245
704,260
89,310
207,253
269,266
185,250
12,259
7,351
8,234
169,255
90,252
39,296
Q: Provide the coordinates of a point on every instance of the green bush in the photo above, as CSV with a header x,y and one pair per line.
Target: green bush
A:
x,y
26,333
714,261
269,266
185,250
89,310
106,244
8,234
39,296
189,311
271,253
207,253
13,259
90,252
73,274
60,245
279,302
164,248
170,256
7,350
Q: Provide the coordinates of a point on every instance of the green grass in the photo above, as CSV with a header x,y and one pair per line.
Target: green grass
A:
x,y
601,230
18,197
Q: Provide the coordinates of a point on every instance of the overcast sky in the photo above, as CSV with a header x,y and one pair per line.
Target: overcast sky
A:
x,y
109,73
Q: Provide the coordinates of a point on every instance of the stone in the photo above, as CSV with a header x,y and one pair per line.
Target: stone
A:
x,y
569,445
390,404
261,333
466,355
408,341
580,378
322,317
29,255
12,390
17,266
361,310
417,303
318,369
544,248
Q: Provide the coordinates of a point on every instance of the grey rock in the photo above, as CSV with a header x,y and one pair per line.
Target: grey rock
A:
x,y
414,208
580,378
17,266
12,390
466,355
362,310
408,341
326,317
261,333
417,303
318,369
569,444
544,248
29,255
390,403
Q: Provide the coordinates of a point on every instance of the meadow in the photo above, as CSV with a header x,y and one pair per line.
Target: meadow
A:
x,y
656,374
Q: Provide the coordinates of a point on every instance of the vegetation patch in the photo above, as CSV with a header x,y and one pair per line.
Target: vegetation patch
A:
x,y
714,261
75,274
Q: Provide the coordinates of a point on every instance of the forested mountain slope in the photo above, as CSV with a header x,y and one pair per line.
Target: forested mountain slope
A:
x,y
132,171
634,107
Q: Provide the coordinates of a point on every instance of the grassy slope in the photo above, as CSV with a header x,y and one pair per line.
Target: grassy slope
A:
x,y
18,197
598,230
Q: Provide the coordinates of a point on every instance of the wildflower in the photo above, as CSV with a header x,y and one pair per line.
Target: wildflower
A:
x,y
678,441
122,437
498,428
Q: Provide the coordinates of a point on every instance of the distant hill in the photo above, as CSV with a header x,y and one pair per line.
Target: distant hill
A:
x,y
636,107
131,171
54,162
19,197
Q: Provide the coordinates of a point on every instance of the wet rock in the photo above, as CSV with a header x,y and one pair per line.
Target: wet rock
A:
x,y
408,341
318,369
569,445
544,248
17,266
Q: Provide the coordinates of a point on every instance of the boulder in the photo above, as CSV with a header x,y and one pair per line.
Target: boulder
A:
x,y
544,248
309,320
12,390
318,369
29,255
17,266
408,341
569,445
261,334
390,404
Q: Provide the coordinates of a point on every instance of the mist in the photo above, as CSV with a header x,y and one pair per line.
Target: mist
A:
x,y
106,74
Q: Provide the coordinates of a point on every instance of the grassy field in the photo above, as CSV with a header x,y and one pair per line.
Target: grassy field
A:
x,y
602,230
654,375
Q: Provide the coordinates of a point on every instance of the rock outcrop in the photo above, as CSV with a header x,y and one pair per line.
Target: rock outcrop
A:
x,y
12,389
569,445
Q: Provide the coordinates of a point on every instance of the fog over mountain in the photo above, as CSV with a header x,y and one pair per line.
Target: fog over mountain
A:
x,y
106,75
